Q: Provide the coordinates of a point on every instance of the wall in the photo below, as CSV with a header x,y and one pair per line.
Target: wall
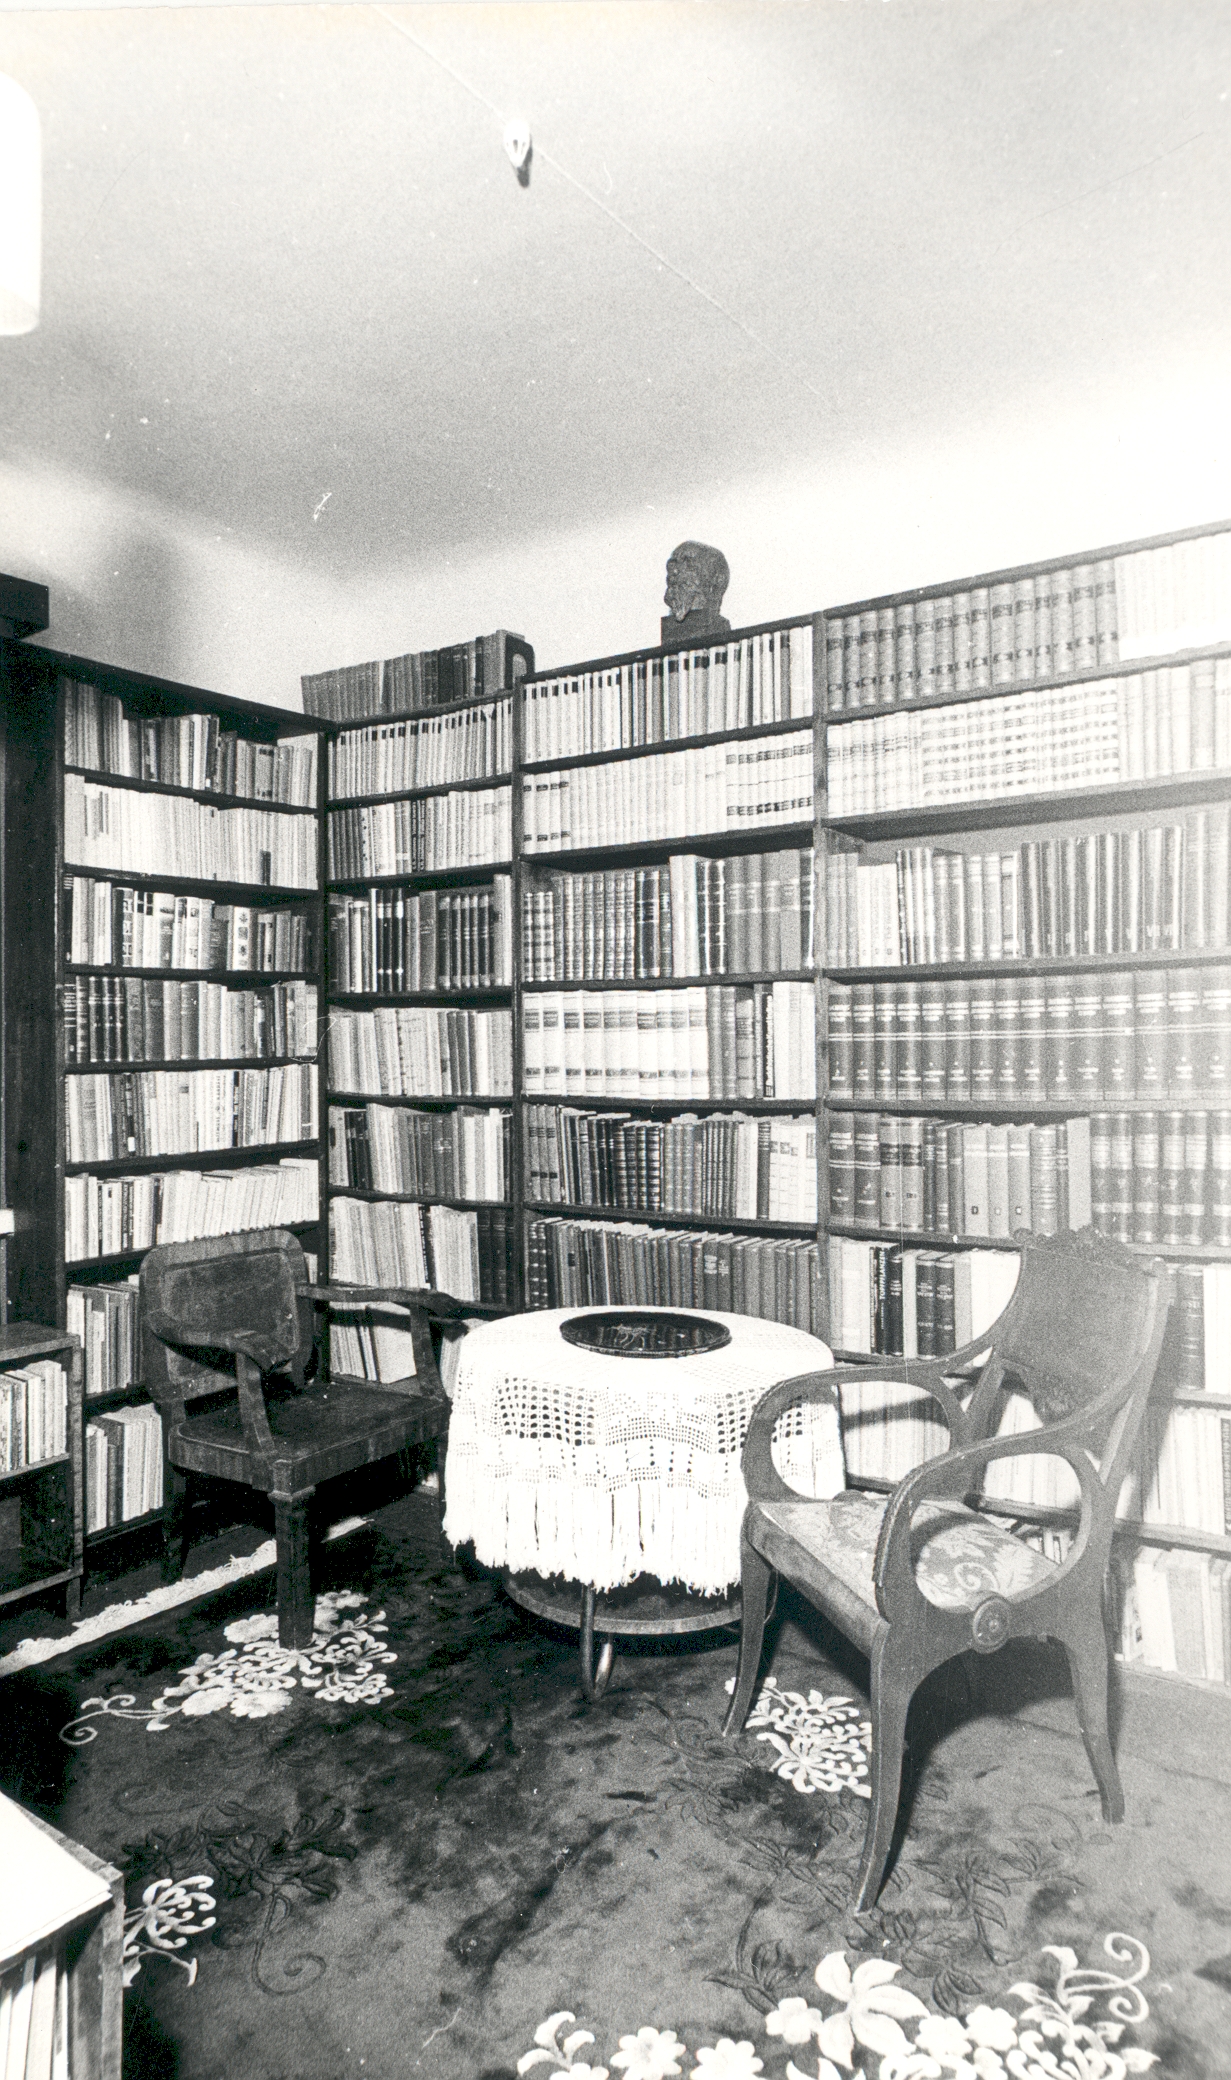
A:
x,y
139,586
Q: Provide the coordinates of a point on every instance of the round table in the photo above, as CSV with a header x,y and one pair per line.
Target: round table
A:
x,y
579,1472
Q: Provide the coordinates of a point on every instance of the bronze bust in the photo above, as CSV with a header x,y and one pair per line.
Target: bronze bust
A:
x,y
697,577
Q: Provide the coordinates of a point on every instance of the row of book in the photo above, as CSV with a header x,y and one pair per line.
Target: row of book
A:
x,y
430,751
111,828
190,751
912,1303
1100,733
33,1414
1161,888
104,1318
1159,1034
588,1263
393,1243
723,1168
392,939
1180,1473
421,1052
721,789
1174,1611
456,1154
1043,625
110,925
935,1177
739,684
724,1040
748,913
115,1216
171,1112
120,1018
366,1343
1197,1356
1037,627
419,679
34,2025
123,1466
423,835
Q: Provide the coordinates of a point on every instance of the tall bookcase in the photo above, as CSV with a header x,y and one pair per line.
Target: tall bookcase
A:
x,y
1024,822
420,984
162,961
664,1004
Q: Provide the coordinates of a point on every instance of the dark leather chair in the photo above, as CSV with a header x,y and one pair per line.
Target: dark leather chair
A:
x,y
920,1577
230,1346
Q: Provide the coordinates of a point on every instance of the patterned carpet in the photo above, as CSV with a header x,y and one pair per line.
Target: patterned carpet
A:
x,y
416,1850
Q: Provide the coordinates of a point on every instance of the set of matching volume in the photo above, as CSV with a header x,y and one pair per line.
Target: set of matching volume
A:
x,y
423,835
390,757
1158,889
421,1052
120,828
722,1168
724,790
393,940
750,913
393,1243
123,1466
170,1112
740,684
1157,1034
33,1414
754,1040
582,1263
107,925
190,751
1148,1177
117,1018
1057,740
104,1317
452,1154
419,679
1040,626
116,1216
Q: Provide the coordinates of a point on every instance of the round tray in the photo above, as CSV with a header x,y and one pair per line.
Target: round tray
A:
x,y
642,1332
645,1608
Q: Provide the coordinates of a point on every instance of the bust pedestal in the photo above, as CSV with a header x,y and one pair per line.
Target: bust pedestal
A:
x,y
694,630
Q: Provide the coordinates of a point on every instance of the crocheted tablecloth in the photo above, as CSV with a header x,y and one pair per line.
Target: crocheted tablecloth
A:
x,y
601,1468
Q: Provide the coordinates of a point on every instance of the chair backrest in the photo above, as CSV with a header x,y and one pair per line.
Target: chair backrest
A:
x,y
203,1301
1081,1334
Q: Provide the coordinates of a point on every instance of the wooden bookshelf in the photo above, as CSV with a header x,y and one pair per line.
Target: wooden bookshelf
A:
x,y
42,1514
68,1911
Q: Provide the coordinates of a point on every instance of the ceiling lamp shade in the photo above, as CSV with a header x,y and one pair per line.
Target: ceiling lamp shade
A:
x,y
20,208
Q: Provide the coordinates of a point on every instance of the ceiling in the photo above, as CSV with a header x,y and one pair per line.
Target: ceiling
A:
x,y
293,290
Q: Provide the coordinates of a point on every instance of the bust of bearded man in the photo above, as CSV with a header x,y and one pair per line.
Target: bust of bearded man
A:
x,y
697,577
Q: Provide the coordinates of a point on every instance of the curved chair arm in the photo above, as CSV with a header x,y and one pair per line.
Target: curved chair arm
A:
x,y
761,1477
253,1413
442,1307
932,1375
949,1477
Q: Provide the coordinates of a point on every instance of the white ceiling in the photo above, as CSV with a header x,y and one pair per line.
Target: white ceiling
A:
x,y
286,257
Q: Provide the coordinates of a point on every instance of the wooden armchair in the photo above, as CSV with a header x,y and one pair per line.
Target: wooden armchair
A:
x,y
229,1336
920,1577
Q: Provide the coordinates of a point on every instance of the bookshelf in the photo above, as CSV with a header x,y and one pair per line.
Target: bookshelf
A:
x,y
419,984
42,1513
664,997
61,1953
163,940
1024,823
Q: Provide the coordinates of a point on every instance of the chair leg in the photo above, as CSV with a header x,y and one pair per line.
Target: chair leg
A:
x,y
176,1516
891,1694
296,1605
1086,1647
441,1456
756,1580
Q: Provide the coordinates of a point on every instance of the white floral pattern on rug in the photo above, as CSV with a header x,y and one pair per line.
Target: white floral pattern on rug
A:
x,y
163,1923
1055,2036
823,1743
253,1677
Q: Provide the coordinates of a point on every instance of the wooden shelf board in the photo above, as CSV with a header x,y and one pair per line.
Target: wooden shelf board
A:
x,y
1032,964
989,813
233,978
774,837
16,1583
191,1159
595,983
21,1473
800,1108
374,1197
211,796
487,993
799,1231
1022,1107
420,793
196,1061
420,877
78,1267
619,754
953,697
433,1103
249,894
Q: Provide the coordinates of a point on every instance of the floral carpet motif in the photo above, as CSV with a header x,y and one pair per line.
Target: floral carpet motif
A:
x,y
1056,2035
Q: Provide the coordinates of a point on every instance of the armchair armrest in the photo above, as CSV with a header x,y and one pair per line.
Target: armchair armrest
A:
x,y
950,1477
441,1307
932,1375
761,1477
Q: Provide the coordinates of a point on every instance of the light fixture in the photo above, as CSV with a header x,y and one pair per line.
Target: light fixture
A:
x,y
518,147
20,208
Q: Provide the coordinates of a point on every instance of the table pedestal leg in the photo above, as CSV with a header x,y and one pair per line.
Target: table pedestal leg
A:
x,y
595,1676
